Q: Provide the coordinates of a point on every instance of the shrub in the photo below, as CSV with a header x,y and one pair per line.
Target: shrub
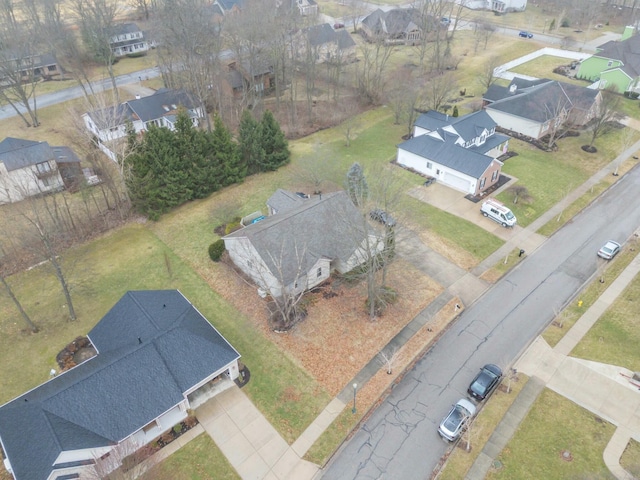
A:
x,y
232,226
216,249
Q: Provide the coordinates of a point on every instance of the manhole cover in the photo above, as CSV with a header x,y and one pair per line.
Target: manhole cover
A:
x,y
497,464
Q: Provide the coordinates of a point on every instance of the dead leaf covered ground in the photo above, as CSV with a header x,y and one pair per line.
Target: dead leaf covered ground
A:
x,y
337,338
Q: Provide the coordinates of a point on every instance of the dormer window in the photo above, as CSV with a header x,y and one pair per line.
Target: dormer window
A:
x,y
166,108
175,107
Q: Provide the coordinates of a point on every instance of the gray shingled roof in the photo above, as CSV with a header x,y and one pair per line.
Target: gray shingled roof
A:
x,y
627,51
496,92
125,28
328,227
468,126
472,125
542,102
17,153
283,200
153,107
445,152
324,33
394,22
152,347
65,155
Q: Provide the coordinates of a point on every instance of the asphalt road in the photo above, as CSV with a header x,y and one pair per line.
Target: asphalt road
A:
x,y
400,440
6,111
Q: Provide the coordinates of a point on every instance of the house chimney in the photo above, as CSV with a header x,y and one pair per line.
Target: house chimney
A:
x,y
139,341
137,97
513,88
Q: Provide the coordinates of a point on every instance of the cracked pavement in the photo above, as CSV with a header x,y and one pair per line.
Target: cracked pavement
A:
x,y
399,438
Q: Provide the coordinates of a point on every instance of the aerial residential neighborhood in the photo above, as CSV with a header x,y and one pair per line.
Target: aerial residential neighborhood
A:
x,y
304,239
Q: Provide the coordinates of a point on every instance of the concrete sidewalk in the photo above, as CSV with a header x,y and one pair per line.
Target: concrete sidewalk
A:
x,y
602,389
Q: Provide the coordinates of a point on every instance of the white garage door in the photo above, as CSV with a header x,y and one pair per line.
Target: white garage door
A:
x,y
456,182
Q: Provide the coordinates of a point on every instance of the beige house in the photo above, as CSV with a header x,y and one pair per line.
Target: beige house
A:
x,y
536,108
298,247
30,168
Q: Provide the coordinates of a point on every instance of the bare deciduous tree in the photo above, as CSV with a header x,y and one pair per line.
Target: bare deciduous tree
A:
x,y
606,113
488,76
7,288
439,89
388,358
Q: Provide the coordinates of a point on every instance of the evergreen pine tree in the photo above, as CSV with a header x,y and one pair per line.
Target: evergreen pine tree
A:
x,y
227,154
274,144
455,111
251,152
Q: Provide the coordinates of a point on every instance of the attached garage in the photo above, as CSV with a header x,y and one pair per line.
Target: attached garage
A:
x,y
459,183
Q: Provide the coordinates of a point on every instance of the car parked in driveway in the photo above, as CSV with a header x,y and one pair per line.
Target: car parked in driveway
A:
x,y
609,250
456,421
525,34
383,217
485,382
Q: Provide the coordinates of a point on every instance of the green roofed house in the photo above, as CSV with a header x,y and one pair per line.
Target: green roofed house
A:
x,y
615,65
157,357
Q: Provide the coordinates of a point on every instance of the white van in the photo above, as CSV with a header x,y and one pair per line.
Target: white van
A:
x,y
497,212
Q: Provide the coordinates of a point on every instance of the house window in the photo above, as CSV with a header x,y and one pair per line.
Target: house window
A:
x,y
319,272
494,176
429,165
482,182
609,63
51,68
43,167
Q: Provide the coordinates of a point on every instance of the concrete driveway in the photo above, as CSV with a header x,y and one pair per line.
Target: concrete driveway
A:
x,y
455,203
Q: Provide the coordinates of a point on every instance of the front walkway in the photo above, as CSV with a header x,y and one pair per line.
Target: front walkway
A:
x,y
249,442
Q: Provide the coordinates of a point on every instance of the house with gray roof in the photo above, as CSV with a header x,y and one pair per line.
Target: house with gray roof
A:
x,y
616,64
155,353
30,168
160,109
460,152
324,44
537,108
21,64
297,248
127,39
399,25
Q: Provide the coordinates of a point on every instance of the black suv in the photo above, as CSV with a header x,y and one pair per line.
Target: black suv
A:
x,y
485,382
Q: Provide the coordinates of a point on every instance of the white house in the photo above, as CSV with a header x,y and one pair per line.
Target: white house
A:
x,y
155,353
460,152
498,6
298,247
31,168
160,109
127,39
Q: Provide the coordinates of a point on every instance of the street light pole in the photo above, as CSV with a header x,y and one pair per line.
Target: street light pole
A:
x,y
355,387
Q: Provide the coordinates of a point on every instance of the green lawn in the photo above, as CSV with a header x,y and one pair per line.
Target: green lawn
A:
x,y
615,337
630,459
543,67
134,258
590,294
466,235
554,425
198,460
549,177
